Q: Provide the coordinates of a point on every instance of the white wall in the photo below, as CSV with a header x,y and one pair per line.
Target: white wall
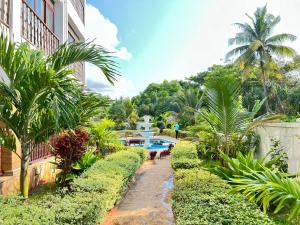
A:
x,y
289,136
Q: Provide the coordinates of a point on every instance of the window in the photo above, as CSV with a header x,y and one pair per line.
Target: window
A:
x,y
72,37
45,10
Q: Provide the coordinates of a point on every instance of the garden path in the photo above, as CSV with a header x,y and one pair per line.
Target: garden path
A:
x,y
148,201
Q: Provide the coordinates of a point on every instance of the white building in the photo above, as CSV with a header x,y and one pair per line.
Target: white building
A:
x,y
45,24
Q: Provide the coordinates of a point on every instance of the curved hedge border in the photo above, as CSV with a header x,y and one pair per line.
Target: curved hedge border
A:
x,y
94,193
202,198
184,156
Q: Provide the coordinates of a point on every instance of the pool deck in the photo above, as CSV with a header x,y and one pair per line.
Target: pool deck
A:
x,y
167,138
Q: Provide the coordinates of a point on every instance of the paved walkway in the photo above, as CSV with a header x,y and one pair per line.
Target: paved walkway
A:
x,y
148,200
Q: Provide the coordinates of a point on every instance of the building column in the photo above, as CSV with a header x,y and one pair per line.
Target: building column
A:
x,y
15,20
61,21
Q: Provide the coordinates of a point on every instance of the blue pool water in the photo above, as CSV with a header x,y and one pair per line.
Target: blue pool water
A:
x,y
156,144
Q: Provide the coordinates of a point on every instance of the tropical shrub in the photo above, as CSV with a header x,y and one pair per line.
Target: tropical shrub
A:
x,y
69,149
184,156
278,153
255,178
202,198
242,165
86,161
153,154
104,137
225,116
96,191
270,189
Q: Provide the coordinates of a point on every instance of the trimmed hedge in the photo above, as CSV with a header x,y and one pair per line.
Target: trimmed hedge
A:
x,y
184,156
95,192
201,198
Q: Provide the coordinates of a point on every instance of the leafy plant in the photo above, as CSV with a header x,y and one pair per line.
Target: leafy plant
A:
x,y
86,161
278,153
69,149
227,119
242,165
268,188
105,139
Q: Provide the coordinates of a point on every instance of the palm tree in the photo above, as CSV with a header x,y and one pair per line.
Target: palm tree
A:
x,y
188,102
257,44
39,97
225,115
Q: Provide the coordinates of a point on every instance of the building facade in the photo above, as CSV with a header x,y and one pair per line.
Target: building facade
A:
x,y
44,24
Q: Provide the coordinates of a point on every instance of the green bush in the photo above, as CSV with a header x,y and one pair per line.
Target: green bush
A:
x,y
202,198
171,133
184,156
92,194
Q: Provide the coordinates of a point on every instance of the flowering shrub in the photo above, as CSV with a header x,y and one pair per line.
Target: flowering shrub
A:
x,y
69,148
153,154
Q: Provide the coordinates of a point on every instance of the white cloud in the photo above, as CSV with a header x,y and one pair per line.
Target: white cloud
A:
x,y
204,39
105,33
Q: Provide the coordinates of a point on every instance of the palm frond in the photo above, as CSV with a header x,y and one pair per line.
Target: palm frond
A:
x,y
280,38
68,54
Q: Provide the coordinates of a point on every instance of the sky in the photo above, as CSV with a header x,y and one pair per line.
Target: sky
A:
x,y
156,40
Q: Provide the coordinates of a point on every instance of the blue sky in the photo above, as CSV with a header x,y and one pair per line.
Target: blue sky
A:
x,y
170,39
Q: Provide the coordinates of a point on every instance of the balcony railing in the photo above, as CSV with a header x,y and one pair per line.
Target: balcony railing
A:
x,y
42,150
79,7
4,12
36,31
78,71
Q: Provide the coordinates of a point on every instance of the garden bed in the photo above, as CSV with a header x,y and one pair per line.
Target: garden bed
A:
x,y
93,193
200,197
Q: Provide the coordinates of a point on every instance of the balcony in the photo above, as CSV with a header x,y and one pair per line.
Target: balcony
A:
x,y
35,31
4,12
79,7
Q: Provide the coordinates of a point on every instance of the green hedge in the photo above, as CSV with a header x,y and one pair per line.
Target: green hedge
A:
x,y
202,198
184,156
95,192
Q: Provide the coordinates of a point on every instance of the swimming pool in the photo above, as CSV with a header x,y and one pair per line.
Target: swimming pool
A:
x,y
154,144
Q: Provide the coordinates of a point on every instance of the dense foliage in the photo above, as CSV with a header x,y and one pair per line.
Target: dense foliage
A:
x,y
94,193
184,156
104,138
202,198
256,178
158,98
69,148
41,97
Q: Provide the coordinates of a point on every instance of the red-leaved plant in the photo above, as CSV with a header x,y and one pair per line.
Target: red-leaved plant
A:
x,y
69,148
153,154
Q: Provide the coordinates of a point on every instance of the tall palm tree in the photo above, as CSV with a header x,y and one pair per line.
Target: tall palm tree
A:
x,y
40,97
257,44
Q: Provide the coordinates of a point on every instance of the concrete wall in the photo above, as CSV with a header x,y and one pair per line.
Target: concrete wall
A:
x,y
289,136
42,171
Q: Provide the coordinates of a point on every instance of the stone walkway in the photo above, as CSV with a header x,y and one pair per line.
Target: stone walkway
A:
x,y
148,201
